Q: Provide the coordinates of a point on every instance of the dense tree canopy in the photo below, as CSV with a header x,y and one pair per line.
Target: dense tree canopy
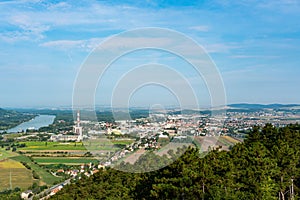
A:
x,y
265,166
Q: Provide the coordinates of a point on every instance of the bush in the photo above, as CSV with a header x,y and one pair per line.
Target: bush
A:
x,y
35,175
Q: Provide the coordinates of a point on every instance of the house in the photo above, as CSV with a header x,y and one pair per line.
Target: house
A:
x,y
27,194
55,190
60,171
101,166
95,171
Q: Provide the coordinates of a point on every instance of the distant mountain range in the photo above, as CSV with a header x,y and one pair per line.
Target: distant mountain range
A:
x,y
174,110
264,106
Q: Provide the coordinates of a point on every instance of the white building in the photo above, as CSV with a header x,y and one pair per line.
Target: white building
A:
x,y
77,129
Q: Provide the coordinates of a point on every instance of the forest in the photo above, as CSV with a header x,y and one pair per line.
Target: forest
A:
x,y
265,166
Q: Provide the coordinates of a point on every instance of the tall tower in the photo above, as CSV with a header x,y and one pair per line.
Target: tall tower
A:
x,y
77,128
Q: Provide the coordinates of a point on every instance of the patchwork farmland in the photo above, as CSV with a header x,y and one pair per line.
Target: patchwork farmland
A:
x,y
13,173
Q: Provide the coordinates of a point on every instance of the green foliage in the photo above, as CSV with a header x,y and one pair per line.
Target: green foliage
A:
x,y
35,175
10,118
262,167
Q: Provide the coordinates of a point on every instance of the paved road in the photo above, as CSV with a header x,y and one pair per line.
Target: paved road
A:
x,y
48,191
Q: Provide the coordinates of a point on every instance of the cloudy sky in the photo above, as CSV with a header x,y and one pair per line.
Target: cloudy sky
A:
x,y
254,44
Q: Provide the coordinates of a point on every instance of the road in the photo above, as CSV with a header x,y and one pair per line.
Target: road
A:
x,y
48,191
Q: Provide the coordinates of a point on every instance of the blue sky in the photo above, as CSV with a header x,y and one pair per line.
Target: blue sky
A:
x,y
254,44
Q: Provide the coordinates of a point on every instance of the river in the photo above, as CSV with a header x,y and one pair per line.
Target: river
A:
x,y
35,123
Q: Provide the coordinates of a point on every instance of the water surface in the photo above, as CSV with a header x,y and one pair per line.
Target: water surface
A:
x,y
35,123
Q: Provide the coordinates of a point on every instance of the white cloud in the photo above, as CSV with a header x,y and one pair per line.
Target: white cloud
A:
x,y
85,45
6,2
36,29
25,29
220,47
60,5
200,28
254,56
13,36
285,6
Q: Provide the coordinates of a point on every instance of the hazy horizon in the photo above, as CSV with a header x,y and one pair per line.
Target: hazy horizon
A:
x,y
97,107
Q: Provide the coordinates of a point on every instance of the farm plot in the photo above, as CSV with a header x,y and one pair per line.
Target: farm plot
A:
x,y
45,177
63,160
14,174
53,146
206,142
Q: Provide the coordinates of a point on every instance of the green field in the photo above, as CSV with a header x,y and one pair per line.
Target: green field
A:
x,y
51,151
6,154
45,177
53,146
63,160
101,144
123,142
106,144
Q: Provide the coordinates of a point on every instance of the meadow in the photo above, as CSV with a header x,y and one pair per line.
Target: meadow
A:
x,y
37,145
99,144
63,160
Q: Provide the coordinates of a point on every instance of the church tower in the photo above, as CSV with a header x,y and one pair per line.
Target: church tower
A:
x,y
77,129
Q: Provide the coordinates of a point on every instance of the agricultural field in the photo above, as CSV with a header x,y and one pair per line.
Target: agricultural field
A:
x,y
4,154
15,177
206,142
231,139
132,158
101,144
45,177
12,173
171,146
13,135
10,164
63,160
71,153
123,142
36,145
107,144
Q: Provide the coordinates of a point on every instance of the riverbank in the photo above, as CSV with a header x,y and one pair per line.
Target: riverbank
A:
x,y
33,124
11,118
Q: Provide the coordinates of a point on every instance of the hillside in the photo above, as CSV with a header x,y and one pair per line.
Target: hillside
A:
x,y
11,118
265,166
263,106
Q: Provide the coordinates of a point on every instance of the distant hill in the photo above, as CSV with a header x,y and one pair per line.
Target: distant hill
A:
x,y
12,118
263,106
